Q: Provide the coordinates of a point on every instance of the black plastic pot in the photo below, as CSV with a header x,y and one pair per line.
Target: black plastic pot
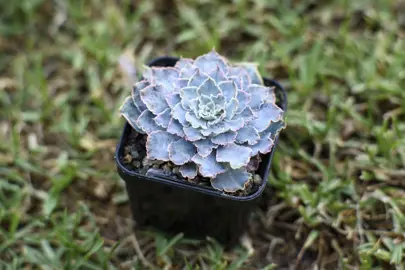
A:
x,y
174,206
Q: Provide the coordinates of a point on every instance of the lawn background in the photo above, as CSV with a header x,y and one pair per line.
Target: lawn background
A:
x,y
338,175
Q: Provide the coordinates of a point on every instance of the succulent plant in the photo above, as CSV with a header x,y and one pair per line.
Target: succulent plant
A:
x,y
207,116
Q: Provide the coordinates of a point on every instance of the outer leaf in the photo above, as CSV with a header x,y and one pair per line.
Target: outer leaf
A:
x,y
236,155
192,134
163,76
197,79
189,170
209,61
180,83
205,147
187,94
243,99
224,138
131,113
231,108
208,88
253,72
248,114
157,145
243,77
217,75
175,128
154,98
268,113
181,151
163,119
146,123
247,134
195,122
224,126
229,89
273,129
136,95
264,146
208,166
173,99
179,113
231,180
260,94
183,62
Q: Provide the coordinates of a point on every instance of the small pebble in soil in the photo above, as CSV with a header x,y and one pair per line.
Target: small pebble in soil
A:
x,y
257,179
136,164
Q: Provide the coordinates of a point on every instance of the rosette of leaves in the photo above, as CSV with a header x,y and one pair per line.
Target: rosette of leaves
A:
x,y
208,116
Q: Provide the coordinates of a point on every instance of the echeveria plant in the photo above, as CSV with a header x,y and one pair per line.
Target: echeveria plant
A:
x,y
207,116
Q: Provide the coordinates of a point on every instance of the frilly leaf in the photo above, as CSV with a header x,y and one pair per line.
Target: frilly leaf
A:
x,y
236,155
273,129
208,88
163,119
181,151
180,83
131,113
229,89
183,62
154,98
136,96
224,138
243,100
157,145
221,127
175,128
240,76
268,113
247,134
231,108
197,79
208,166
231,180
248,114
253,72
217,75
162,76
205,147
173,99
264,146
209,61
260,94
189,170
187,94
195,122
146,123
192,134
179,113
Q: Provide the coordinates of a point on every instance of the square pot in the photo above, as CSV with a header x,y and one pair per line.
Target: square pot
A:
x,y
173,206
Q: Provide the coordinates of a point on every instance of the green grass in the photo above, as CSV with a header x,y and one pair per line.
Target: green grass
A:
x,y
338,198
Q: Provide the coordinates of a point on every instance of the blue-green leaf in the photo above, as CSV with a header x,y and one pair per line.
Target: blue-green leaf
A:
x,y
136,95
268,113
157,145
208,166
229,89
175,128
205,147
131,113
208,88
181,151
247,134
189,170
224,138
163,119
146,122
236,155
231,180
154,98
